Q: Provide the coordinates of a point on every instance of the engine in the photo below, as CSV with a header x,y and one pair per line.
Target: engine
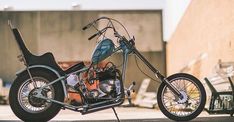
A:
x,y
99,84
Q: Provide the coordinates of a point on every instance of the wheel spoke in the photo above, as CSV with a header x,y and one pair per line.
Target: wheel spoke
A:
x,y
30,103
176,85
189,83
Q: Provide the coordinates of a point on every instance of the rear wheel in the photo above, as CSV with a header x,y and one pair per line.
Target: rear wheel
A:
x,y
192,103
29,108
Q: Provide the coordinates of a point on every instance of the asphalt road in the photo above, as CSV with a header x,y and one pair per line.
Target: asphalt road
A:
x,y
125,115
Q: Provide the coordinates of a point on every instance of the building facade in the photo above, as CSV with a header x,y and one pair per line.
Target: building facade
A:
x,y
203,42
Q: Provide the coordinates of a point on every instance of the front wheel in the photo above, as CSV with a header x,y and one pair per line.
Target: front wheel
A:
x,y
192,102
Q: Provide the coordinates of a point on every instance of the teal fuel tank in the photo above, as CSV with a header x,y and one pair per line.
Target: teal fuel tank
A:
x,y
103,50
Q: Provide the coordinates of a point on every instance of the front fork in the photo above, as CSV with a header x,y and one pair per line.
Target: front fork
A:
x,y
128,47
170,86
158,74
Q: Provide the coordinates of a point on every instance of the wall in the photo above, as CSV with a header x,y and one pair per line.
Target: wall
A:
x,y
60,33
204,36
207,28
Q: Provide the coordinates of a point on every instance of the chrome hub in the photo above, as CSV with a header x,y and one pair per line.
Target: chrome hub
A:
x,y
34,101
184,97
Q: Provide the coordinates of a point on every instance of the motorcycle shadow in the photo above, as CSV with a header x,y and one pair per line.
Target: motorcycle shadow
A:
x,y
198,119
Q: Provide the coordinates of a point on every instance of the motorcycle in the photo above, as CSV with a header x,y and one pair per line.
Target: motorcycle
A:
x,y
42,89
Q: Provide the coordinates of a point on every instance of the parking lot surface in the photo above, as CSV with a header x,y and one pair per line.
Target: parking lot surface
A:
x,y
129,114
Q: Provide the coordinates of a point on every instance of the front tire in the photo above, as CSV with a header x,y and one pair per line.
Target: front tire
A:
x,y
192,103
32,109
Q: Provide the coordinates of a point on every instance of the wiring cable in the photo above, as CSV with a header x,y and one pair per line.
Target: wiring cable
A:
x,y
144,72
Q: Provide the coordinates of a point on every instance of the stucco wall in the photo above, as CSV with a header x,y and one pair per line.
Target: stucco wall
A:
x,y
204,35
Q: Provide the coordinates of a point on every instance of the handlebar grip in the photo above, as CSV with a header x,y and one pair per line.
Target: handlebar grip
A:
x,y
84,28
87,26
91,37
90,24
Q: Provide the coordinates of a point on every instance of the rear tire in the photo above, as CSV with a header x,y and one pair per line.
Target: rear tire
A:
x,y
174,109
36,113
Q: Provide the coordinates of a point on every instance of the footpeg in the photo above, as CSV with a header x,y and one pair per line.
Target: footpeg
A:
x,y
128,93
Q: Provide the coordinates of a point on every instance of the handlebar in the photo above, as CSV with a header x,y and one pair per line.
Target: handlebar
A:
x,y
99,33
90,24
109,25
87,26
94,35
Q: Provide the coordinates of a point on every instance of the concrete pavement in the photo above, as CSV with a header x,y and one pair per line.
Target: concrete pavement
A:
x,y
125,115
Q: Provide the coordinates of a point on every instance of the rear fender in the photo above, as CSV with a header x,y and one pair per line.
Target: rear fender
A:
x,y
46,69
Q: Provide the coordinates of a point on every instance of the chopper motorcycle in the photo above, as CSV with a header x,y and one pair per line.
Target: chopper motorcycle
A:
x,y
42,89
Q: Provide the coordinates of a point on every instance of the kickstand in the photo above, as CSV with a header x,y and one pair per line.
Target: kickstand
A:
x,y
115,114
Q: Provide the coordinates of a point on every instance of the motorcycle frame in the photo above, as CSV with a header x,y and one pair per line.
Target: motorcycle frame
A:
x,y
126,48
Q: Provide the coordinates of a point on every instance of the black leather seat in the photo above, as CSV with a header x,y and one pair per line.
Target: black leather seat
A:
x,y
49,60
45,59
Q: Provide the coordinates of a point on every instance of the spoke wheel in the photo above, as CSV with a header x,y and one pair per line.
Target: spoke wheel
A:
x,y
190,105
22,98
